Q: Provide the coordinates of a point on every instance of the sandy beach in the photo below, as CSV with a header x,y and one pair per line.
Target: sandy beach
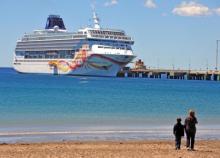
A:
x,y
119,149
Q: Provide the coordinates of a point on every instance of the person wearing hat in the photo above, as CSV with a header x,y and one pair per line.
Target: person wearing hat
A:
x,y
190,129
178,131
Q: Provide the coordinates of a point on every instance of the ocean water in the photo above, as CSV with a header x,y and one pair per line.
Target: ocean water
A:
x,y
54,108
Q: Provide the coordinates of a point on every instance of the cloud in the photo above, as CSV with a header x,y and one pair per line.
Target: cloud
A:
x,y
150,4
111,3
191,9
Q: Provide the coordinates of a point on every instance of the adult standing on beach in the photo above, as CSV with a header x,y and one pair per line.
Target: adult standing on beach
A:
x,y
190,128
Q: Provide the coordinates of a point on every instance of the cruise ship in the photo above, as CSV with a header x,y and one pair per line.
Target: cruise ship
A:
x,y
91,51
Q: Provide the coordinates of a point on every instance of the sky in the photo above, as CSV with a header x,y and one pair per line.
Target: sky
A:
x,y
178,34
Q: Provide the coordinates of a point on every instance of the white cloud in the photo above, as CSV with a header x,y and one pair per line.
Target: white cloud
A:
x,y
111,3
150,4
191,9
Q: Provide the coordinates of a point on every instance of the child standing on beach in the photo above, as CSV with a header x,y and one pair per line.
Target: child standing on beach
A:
x,y
178,131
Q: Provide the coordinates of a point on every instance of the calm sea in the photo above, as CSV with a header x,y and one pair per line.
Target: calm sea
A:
x,y
47,107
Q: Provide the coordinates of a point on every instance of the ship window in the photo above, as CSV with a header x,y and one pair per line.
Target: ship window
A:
x,y
20,53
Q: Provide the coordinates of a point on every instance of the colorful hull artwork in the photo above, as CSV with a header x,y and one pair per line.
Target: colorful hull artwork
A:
x,y
83,59
65,66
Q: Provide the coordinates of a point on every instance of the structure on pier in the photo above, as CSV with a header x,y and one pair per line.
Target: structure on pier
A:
x,y
139,64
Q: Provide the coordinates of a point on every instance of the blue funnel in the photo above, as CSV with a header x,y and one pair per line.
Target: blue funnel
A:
x,y
55,20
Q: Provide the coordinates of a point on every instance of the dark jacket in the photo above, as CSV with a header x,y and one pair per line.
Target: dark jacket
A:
x,y
190,124
178,130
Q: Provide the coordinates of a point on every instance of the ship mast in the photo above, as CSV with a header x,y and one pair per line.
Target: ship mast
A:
x,y
96,20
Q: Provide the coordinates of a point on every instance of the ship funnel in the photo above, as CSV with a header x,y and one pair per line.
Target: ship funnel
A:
x,y
55,20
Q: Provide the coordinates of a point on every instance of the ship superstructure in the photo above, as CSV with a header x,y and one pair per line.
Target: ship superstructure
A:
x,y
92,51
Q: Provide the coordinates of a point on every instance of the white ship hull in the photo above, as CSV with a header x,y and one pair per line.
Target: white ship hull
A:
x,y
94,65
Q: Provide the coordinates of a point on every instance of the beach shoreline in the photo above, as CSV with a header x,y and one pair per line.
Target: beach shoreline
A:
x,y
119,149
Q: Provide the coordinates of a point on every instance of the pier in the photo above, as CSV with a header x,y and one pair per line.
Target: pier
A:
x,y
140,71
171,74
